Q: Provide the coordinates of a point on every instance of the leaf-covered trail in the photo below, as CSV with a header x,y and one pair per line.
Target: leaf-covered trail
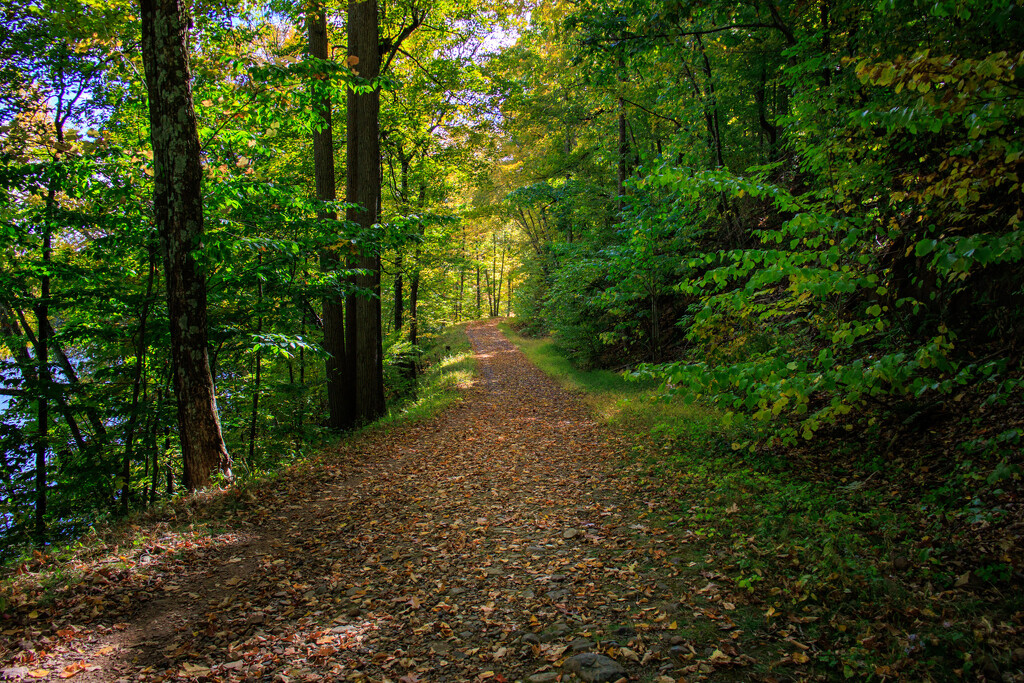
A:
x,y
492,542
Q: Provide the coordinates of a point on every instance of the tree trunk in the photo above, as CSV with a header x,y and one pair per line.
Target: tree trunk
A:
x,y
479,302
508,301
403,198
767,127
43,370
414,300
399,294
178,208
340,389
140,362
712,113
259,367
462,293
462,279
363,189
623,156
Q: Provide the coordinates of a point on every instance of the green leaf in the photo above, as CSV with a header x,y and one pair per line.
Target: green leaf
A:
x,y
925,247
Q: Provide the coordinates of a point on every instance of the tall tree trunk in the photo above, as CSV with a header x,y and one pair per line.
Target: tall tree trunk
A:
x,y
42,310
340,388
501,279
399,294
462,293
178,206
140,362
259,367
508,301
623,156
712,112
826,41
405,161
154,450
414,291
767,127
414,301
479,301
363,189
43,360
490,297
462,279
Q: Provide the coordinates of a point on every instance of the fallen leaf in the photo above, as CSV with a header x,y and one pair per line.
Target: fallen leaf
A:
x,y
194,669
72,669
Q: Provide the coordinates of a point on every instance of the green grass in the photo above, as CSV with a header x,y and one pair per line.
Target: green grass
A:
x,y
789,537
617,399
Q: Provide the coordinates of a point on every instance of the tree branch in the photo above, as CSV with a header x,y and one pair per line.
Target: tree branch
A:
x,y
679,124
390,46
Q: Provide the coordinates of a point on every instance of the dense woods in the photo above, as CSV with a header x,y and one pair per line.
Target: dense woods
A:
x,y
805,215
190,297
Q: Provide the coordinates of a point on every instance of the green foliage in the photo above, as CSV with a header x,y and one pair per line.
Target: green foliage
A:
x,y
839,231
75,164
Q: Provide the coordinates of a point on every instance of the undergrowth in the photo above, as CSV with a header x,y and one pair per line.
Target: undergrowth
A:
x,y
873,569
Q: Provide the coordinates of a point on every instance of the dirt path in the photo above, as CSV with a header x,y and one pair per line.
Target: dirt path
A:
x,y
491,543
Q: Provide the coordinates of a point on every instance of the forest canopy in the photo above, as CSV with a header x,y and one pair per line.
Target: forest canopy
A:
x,y
808,215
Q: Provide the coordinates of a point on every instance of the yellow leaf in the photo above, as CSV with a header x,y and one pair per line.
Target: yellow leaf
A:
x,y
800,657
39,673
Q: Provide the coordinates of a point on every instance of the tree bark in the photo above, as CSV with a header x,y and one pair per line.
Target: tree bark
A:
x,y
364,190
340,389
178,208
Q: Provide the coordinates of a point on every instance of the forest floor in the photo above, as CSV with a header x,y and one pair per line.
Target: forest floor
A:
x,y
497,541
518,536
